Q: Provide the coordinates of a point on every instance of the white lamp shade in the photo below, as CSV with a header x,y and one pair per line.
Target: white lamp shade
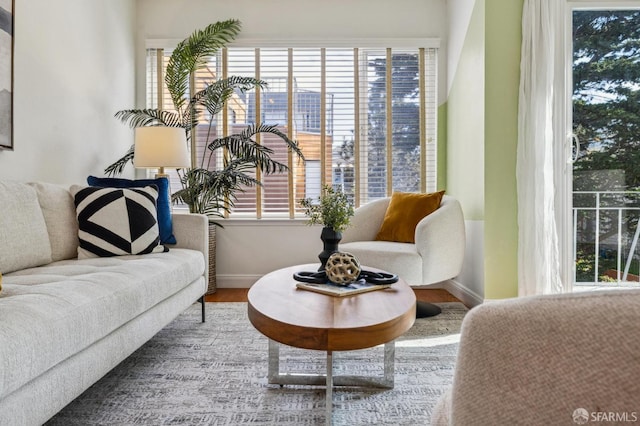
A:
x,y
159,146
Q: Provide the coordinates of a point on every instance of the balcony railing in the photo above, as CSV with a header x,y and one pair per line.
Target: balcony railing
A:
x,y
605,236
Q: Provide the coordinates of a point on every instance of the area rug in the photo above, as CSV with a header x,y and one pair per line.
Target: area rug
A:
x,y
214,373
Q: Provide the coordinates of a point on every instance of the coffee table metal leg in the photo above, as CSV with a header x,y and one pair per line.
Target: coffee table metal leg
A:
x,y
273,374
389,363
329,380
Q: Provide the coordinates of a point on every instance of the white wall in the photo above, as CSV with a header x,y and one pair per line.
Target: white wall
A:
x,y
74,68
469,285
247,250
458,16
465,136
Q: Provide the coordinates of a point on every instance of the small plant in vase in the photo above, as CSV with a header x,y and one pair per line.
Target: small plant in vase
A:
x,y
332,210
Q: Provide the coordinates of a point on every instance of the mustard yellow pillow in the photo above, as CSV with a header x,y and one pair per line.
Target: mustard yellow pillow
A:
x,y
405,210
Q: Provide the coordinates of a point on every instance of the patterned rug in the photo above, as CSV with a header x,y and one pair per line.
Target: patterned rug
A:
x,y
215,374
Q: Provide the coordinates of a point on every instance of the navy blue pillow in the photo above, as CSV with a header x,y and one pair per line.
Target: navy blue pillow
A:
x,y
164,203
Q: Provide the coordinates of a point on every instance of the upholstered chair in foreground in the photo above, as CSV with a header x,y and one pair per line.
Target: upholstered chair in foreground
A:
x,y
547,360
435,256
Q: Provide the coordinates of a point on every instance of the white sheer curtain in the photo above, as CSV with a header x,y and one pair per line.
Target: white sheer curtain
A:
x,y
538,258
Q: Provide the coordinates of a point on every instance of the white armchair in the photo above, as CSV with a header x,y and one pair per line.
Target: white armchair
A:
x,y
436,256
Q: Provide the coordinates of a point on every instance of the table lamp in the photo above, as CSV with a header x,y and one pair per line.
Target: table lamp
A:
x,y
160,147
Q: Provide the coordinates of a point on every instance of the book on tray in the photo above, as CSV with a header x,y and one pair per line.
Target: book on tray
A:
x,y
360,286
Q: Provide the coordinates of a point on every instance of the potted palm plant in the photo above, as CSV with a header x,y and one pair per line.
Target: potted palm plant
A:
x,y
205,188
332,210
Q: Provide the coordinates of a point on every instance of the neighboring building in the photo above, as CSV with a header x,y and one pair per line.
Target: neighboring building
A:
x,y
306,131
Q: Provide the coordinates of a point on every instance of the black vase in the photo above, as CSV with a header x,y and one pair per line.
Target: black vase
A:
x,y
330,240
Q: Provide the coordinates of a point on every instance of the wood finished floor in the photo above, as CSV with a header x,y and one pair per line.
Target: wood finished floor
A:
x,y
240,295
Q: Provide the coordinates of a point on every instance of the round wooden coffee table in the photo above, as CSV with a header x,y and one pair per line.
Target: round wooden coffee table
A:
x,y
310,320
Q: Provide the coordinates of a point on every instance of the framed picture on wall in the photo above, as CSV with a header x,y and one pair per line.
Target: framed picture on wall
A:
x,y
6,73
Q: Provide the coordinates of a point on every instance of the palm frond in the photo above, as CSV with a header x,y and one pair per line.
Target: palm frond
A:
x,y
216,94
149,117
254,129
192,53
241,145
249,151
118,166
191,116
235,174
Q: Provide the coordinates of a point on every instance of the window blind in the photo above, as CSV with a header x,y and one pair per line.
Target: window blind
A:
x,y
365,119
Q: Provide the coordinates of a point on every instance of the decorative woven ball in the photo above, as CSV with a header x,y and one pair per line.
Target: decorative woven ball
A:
x,y
342,268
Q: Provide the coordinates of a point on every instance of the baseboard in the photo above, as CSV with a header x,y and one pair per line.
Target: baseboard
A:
x,y
466,296
236,280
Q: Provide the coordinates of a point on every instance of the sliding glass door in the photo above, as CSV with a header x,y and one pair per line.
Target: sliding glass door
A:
x,y
605,144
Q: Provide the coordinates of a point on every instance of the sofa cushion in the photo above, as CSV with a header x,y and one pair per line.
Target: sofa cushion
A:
x,y
165,222
59,213
404,212
398,258
23,231
52,312
116,221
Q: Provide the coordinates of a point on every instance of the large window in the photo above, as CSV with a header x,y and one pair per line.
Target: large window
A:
x,y
365,119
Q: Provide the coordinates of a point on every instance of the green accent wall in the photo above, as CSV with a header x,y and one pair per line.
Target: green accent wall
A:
x,y
503,37
482,134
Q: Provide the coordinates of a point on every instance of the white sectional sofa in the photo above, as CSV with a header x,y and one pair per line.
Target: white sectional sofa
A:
x,y
65,322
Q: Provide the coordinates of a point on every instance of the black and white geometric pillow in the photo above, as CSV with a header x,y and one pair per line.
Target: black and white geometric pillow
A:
x,y
117,221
